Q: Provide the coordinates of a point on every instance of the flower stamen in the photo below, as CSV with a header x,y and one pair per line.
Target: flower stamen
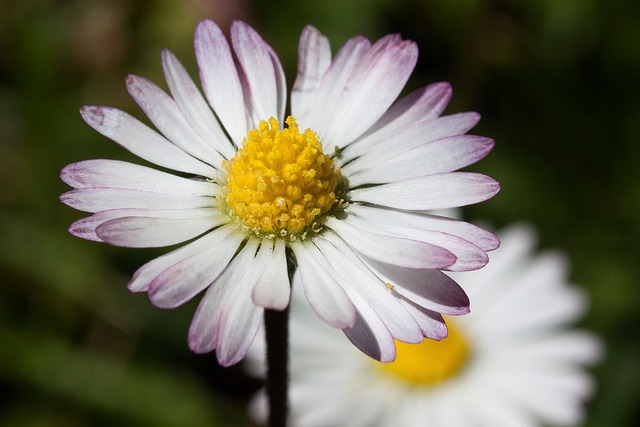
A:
x,y
280,182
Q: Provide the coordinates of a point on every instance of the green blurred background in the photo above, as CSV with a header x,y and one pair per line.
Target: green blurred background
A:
x,y
557,83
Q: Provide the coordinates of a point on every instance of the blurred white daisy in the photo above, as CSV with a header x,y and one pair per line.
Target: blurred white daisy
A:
x,y
513,361
342,190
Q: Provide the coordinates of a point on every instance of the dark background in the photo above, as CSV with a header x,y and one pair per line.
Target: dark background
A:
x,y
557,83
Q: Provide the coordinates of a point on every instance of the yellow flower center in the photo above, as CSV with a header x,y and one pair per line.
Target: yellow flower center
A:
x,y
430,361
280,181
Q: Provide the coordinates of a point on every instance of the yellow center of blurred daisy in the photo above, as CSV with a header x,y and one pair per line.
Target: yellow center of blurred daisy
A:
x,y
430,361
280,181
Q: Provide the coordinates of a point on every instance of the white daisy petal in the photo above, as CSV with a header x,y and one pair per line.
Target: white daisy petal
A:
x,y
194,108
324,294
441,191
431,322
118,174
390,143
394,250
182,280
354,274
220,79
369,333
150,232
387,217
144,275
372,87
425,103
468,256
439,156
281,83
258,71
240,330
430,289
104,198
142,141
204,325
86,227
238,319
273,290
314,58
165,114
331,87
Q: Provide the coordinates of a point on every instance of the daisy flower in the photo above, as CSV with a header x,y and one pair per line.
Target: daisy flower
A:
x,y
513,361
340,188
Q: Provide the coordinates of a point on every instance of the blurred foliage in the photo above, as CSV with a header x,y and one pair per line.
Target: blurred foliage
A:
x,y
557,82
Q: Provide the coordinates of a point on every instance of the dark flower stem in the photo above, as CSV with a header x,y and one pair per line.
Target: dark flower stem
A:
x,y
277,334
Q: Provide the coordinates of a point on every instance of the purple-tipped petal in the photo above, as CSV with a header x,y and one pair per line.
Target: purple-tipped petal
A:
x,y
387,144
441,191
327,97
258,72
193,106
142,141
425,103
468,256
85,228
371,88
102,199
314,59
369,333
430,289
165,114
394,250
124,175
431,322
354,275
324,294
220,79
484,239
143,277
150,232
238,318
226,320
440,156
281,82
242,324
181,281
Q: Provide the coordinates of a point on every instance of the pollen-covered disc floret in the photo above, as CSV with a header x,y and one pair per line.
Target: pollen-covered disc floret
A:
x,y
429,362
280,181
